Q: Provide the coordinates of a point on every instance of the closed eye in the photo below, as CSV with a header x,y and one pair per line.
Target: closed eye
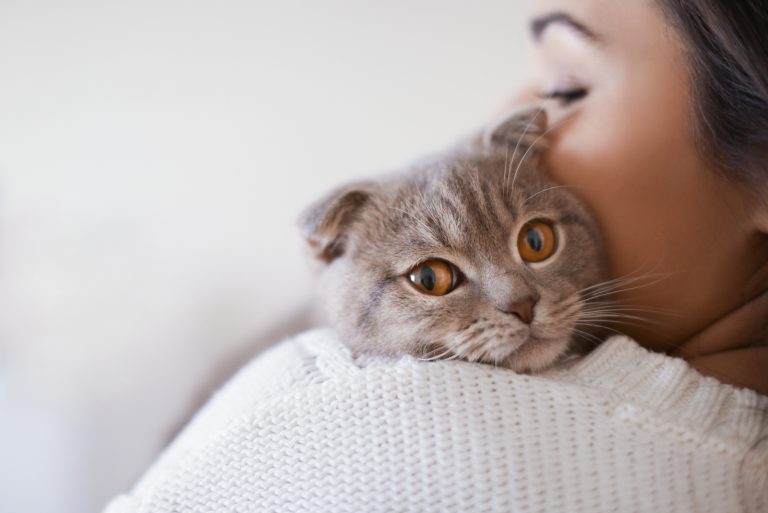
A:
x,y
565,96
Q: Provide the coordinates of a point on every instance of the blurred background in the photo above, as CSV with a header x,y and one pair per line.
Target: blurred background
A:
x,y
154,156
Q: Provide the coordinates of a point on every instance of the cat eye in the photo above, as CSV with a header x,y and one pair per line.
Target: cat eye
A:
x,y
536,241
434,277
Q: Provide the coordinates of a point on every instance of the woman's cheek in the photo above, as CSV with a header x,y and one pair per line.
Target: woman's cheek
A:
x,y
622,172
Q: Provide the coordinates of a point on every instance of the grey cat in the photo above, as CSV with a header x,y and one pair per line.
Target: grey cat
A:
x,y
474,254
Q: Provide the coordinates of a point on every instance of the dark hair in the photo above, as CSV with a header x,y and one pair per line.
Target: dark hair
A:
x,y
727,52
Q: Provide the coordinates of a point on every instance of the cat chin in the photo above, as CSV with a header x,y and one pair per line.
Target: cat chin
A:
x,y
537,355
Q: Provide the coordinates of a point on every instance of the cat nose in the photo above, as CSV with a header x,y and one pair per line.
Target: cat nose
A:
x,y
522,309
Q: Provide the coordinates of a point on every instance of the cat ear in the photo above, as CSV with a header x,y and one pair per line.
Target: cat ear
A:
x,y
326,223
523,128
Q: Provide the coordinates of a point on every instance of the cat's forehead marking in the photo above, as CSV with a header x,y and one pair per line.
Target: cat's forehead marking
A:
x,y
461,208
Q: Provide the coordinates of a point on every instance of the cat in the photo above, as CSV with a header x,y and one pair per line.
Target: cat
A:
x,y
473,254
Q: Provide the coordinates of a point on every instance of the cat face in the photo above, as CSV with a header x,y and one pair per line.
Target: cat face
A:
x,y
473,255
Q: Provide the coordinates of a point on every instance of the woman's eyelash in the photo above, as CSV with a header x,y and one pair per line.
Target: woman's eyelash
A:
x,y
565,96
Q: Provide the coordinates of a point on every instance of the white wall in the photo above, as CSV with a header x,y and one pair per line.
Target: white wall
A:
x,y
153,158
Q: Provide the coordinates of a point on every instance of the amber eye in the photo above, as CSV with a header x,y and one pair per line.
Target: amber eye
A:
x,y
536,241
434,277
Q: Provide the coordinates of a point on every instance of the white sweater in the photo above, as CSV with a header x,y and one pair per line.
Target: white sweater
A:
x,y
305,427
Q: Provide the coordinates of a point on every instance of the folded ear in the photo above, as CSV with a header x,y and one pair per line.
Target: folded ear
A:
x,y
326,224
524,128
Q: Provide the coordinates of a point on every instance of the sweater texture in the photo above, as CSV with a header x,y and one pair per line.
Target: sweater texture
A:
x,y
307,427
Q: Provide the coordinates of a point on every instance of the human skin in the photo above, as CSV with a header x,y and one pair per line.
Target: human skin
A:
x,y
693,241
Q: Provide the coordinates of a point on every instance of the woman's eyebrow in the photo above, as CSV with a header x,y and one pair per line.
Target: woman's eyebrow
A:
x,y
540,24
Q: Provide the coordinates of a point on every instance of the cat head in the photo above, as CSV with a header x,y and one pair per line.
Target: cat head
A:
x,y
473,254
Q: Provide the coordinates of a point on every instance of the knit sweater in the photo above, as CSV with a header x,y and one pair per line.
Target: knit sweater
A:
x,y
306,427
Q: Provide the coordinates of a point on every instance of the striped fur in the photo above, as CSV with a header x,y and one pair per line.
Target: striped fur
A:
x,y
465,206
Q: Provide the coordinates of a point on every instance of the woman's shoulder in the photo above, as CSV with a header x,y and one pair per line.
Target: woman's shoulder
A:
x,y
619,377
636,382
310,423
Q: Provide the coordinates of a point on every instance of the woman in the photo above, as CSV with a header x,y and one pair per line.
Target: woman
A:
x,y
660,113
666,138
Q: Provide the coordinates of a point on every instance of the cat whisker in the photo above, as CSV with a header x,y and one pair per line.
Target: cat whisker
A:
x,y
504,179
596,312
589,336
625,307
446,355
533,144
476,350
598,326
610,312
618,289
567,311
604,284
617,308
438,351
624,320
619,282
437,357
611,315
623,279
525,202
460,346
455,356
640,313
517,147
